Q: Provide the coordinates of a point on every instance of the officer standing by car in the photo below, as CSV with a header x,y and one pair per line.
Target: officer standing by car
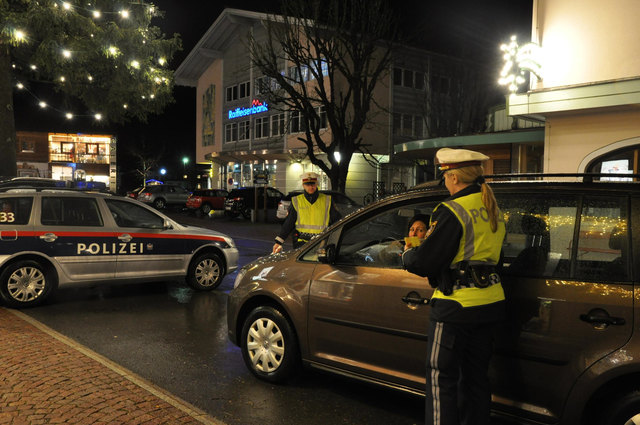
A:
x,y
459,257
309,214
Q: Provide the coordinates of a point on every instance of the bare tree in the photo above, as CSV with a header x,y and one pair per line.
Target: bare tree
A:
x,y
144,161
335,52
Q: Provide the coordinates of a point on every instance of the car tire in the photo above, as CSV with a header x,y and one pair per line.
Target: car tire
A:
x,y
205,272
269,345
246,213
26,283
622,410
159,203
206,209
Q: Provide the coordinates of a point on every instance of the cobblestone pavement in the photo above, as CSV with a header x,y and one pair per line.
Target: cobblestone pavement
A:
x,y
47,378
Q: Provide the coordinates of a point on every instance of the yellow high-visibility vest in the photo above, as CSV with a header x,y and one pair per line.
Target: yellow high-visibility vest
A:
x,y
478,245
312,218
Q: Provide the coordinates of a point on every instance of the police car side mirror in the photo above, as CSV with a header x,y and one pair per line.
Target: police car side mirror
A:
x,y
327,255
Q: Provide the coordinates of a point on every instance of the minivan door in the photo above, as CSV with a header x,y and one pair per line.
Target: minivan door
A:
x,y
367,315
569,296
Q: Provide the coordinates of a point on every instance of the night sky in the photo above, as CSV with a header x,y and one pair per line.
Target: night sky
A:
x,y
459,27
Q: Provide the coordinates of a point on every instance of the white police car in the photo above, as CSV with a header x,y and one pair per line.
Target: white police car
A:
x,y
50,237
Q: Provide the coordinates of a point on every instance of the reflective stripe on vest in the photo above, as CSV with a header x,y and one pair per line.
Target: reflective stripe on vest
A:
x,y
312,218
478,245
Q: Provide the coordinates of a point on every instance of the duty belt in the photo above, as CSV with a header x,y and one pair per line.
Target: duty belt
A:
x,y
306,236
467,275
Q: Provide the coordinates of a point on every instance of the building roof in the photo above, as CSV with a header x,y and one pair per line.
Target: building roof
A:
x,y
214,42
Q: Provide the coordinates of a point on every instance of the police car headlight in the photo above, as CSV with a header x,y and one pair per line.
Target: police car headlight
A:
x,y
230,242
239,277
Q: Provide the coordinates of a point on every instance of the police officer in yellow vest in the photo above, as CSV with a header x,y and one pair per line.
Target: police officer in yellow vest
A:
x,y
309,214
459,257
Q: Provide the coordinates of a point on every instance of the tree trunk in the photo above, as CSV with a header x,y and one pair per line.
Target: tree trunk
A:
x,y
7,122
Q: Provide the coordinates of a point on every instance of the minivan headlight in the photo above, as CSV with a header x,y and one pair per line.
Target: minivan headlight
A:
x,y
239,277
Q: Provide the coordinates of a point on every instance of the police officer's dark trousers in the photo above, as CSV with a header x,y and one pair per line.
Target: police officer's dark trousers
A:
x,y
457,363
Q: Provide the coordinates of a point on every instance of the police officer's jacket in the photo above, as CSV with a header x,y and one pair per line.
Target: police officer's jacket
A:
x,y
308,201
459,230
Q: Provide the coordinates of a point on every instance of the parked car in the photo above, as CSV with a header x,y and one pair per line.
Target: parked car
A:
x,y
569,352
51,237
203,201
343,203
133,194
242,200
29,182
163,195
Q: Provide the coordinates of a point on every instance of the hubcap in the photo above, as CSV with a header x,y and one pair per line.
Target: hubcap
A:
x,y
26,284
207,272
634,420
265,345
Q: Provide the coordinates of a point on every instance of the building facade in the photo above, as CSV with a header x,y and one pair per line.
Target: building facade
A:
x,y
587,92
246,139
62,156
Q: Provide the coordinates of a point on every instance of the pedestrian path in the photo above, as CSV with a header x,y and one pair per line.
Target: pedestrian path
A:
x,y
47,378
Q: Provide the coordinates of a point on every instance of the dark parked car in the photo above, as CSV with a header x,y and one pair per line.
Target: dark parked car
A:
x,y
163,195
343,203
569,352
203,201
242,200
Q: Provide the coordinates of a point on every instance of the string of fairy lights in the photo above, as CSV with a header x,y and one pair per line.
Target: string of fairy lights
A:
x,y
20,35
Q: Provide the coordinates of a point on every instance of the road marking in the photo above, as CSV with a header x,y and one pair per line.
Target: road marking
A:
x,y
178,403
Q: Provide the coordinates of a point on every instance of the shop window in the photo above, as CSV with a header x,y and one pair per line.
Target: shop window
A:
x,y
621,161
261,127
231,132
243,130
277,124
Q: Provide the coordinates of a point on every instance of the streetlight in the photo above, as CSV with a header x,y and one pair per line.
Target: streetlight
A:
x,y
185,160
163,171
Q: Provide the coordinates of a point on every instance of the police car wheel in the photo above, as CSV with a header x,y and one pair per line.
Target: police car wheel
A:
x,y
206,272
159,203
269,345
26,284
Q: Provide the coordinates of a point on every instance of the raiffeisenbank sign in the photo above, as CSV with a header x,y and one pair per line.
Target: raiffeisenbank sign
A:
x,y
255,108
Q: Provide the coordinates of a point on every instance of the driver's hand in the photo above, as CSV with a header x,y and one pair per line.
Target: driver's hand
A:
x,y
276,248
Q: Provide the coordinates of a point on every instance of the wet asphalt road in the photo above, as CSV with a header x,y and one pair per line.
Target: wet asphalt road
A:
x,y
177,339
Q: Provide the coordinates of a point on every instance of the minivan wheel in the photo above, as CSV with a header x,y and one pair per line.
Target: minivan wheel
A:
x,y
246,213
159,203
206,272
623,410
26,284
269,345
206,209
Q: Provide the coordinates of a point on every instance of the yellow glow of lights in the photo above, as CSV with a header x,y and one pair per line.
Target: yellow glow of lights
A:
x,y
89,77
124,13
66,53
20,35
152,96
98,116
66,5
62,78
42,104
69,115
517,61
33,67
20,85
125,106
96,14
162,61
135,64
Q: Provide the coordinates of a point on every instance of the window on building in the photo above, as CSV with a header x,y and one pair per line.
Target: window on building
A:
x,y
277,124
418,125
322,113
261,127
231,132
397,76
419,80
407,125
243,130
27,146
295,122
397,124
245,89
407,78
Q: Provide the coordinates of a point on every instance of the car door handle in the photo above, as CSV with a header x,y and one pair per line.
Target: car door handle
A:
x,y
415,298
48,237
599,316
125,237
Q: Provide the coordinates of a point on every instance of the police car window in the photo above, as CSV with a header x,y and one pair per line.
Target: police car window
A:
x,y
128,214
15,211
69,211
379,241
603,240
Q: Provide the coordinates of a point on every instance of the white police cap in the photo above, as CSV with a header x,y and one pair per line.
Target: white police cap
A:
x,y
309,177
449,159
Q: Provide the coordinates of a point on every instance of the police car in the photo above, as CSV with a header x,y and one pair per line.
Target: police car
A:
x,y
51,237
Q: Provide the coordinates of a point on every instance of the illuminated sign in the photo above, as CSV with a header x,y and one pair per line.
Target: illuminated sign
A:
x,y
256,108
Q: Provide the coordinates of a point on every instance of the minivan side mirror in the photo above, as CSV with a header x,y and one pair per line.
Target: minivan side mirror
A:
x,y
327,255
